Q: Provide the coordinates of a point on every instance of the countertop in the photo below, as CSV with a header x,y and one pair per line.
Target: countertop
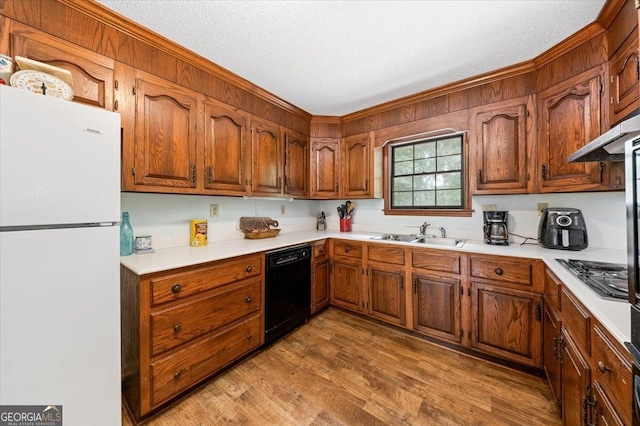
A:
x,y
614,315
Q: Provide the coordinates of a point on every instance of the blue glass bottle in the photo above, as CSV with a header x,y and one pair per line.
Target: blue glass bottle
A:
x,y
126,235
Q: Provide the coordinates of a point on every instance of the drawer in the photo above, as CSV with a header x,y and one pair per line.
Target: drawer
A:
x,y
180,324
167,288
184,368
436,261
552,287
350,249
612,370
576,319
500,270
320,250
386,253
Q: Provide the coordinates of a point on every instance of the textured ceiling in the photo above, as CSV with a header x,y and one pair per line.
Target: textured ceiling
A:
x,y
338,57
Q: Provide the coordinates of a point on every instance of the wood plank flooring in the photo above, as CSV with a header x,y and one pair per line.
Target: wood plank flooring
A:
x,y
339,369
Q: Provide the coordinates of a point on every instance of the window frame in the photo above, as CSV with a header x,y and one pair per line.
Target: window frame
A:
x,y
464,211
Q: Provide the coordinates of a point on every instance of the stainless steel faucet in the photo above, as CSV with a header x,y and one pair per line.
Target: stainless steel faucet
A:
x,y
424,226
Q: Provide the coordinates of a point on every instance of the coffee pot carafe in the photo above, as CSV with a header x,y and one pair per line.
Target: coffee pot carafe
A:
x,y
495,228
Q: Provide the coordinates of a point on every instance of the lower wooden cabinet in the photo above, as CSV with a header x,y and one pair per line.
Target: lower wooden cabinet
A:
x,y
576,378
552,356
507,323
436,306
346,285
182,326
320,286
386,294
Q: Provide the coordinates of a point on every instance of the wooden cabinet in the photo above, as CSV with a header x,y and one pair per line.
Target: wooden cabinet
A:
x,y
325,168
569,118
624,75
576,378
296,160
160,141
357,168
267,151
346,289
91,72
227,149
320,276
436,296
502,137
551,347
506,307
180,327
386,291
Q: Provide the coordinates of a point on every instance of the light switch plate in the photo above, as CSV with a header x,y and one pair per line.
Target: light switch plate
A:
x,y
489,208
213,210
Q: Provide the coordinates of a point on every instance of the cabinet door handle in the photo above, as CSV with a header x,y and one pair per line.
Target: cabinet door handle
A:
x,y
401,283
603,368
538,312
499,271
193,173
545,172
346,249
176,375
209,175
247,299
366,185
279,183
602,167
586,402
415,285
177,288
480,177
249,337
176,328
115,105
248,268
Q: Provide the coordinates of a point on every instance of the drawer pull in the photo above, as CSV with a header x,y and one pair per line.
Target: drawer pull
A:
x,y
247,299
603,368
249,268
321,250
176,328
346,249
176,289
499,271
176,375
249,337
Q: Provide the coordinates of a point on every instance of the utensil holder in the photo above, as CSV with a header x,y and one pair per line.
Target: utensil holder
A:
x,y
345,225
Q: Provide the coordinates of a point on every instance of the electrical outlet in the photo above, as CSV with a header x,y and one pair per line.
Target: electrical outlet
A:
x,y
213,210
281,209
541,207
489,208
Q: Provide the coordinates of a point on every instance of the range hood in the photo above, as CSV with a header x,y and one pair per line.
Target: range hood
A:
x,y
610,145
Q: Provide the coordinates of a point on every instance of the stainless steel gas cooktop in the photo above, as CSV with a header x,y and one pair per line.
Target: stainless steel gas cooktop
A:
x,y
607,280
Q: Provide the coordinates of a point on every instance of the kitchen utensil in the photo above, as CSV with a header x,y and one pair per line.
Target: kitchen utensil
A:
x,y
562,228
495,227
42,84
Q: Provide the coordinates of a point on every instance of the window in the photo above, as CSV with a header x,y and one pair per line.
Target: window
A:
x,y
428,174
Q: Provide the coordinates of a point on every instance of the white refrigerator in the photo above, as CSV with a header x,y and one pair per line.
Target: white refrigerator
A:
x,y
59,257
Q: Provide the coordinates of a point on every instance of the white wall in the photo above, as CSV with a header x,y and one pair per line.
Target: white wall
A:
x,y
166,217
604,215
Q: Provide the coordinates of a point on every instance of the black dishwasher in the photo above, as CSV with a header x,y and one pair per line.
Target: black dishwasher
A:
x,y
288,290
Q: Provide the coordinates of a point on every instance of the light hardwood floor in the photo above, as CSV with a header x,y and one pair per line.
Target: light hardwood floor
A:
x,y
339,369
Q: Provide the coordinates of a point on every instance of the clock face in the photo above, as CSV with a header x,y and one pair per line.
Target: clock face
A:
x,y
42,84
143,243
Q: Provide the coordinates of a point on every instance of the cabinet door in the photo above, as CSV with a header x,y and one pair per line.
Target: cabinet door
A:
x,y
226,149
499,155
296,159
604,413
325,167
356,166
552,353
91,72
320,286
569,119
436,306
576,377
165,133
387,294
624,77
346,285
507,323
267,152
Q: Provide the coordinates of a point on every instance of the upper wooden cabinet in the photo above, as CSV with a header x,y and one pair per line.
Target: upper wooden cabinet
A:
x,y
296,163
357,167
569,117
624,75
325,167
502,137
91,72
267,151
227,156
165,126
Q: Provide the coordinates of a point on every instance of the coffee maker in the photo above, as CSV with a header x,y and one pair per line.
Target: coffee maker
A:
x,y
495,228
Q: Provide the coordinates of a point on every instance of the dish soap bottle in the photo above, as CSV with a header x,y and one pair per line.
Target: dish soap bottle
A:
x,y
126,235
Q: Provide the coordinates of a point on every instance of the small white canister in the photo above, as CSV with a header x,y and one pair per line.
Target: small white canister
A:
x,y
6,69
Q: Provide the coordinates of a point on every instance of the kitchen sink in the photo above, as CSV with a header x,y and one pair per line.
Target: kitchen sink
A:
x,y
421,239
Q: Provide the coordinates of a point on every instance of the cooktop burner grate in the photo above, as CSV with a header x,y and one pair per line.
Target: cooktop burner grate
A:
x,y
607,280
